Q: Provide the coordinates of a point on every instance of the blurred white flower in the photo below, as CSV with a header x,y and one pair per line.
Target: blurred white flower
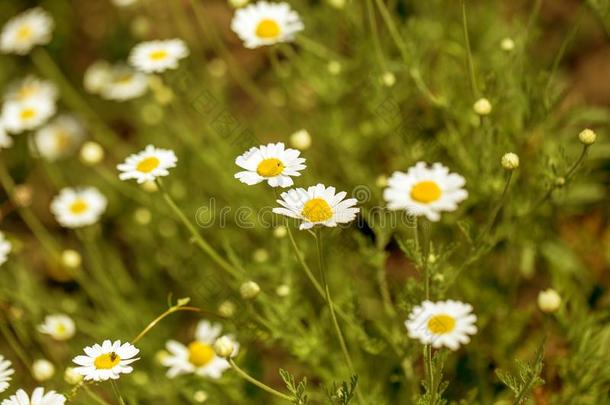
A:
x,y
42,370
265,23
199,356
124,83
444,323
106,361
148,164
91,153
38,398
124,3
318,205
549,300
31,88
19,116
158,56
5,373
97,76
71,376
59,138
5,140
26,30
5,248
78,207
58,326
424,191
271,163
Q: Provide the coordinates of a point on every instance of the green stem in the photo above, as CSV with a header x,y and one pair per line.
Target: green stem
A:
x,y
117,393
209,250
473,82
394,33
158,319
424,226
95,397
344,349
259,384
375,34
496,210
15,345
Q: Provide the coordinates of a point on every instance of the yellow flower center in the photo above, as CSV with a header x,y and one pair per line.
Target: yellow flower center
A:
x,y
123,78
268,29
106,361
270,167
28,113
78,207
24,32
148,164
62,140
200,353
317,210
60,329
441,324
426,192
158,55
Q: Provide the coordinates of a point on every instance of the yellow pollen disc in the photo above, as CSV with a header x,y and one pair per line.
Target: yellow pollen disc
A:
x,y
78,207
60,329
148,164
441,324
270,167
27,113
123,78
158,55
268,29
62,140
107,361
426,192
200,353
317,210
24,32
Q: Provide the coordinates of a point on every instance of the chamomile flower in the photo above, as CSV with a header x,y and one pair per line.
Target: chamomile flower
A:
x,y
444,323
425,191
5,140
31,88
158,56
265,23
58,326
106,361
39,397
5,373
59,138
78,207
26,30
271,163
5,248
148,164
124,83
318,205
96,76
20,116
199,357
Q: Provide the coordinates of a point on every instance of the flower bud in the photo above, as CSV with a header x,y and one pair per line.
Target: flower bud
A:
x,y
510,161
260,255
587,137
200,396
334,67
381,181
71,258
280,232
549,300
482,106
91,153
507,44
249,290
226,309
72,377
22,195
301,139
238,3
283,290
225,347
388,79
42,370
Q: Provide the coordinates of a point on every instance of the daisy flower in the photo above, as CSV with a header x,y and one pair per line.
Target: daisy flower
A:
x,y
20,116
199,356
31,88
107,361
26,30
77,207
424,191
266,23
5,248
58,326
318,205
59,138
38,398
5,373
124,83
96,76
148,164
158,56
444,323
5,140
270,162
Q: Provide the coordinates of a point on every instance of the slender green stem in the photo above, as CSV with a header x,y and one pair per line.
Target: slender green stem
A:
x,y
329,301
158,319
394,33
424,226
95,397
383,285
376,42
117,393
473,81
209,250
496,210
258,383
316,48
15,345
